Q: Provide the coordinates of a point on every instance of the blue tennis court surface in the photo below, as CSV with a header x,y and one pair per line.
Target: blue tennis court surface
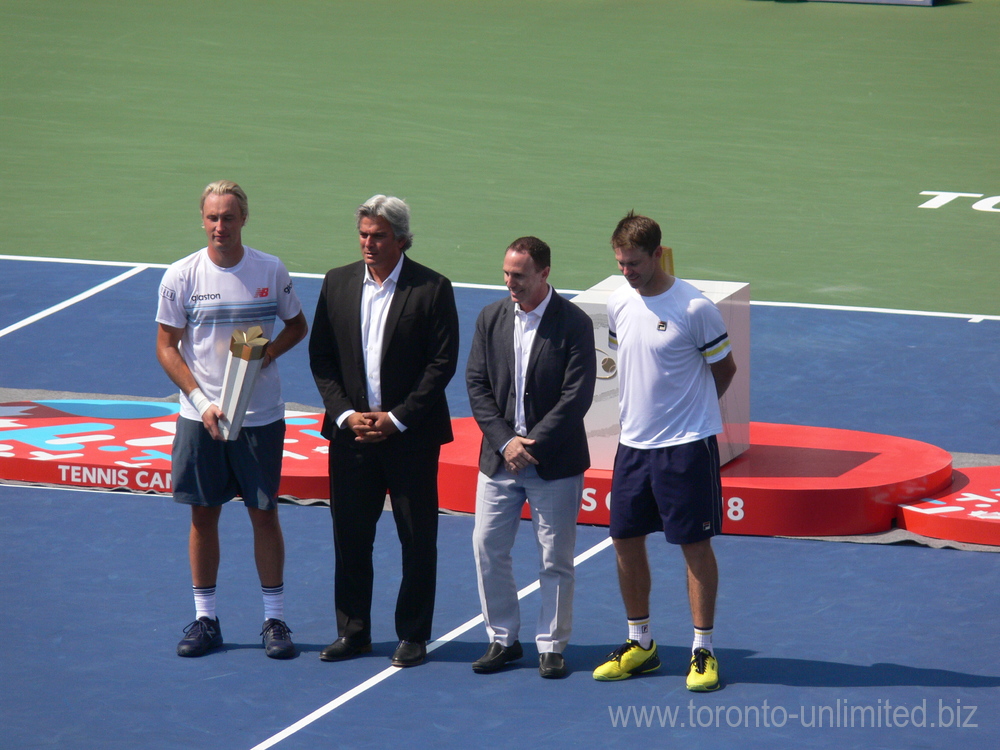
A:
x,y
101,592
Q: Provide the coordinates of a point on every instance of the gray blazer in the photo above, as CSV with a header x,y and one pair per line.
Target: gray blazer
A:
x,y
559,386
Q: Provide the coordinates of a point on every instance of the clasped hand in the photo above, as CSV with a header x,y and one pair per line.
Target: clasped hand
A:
x,y
371,426
516,456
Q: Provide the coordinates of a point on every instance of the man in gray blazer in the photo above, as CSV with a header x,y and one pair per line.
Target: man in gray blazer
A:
x,y
530,378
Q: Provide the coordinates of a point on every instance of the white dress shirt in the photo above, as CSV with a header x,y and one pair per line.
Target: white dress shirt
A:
x,y
375,301
525,327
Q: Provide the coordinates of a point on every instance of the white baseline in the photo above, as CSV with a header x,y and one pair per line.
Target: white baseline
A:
x,y
72,300
971,317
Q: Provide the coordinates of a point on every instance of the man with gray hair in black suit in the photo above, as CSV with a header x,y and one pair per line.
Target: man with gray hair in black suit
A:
x,y
383,348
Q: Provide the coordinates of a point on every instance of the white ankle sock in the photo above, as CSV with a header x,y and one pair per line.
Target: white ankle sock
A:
x,y
274,602
204,602
638,630
702,639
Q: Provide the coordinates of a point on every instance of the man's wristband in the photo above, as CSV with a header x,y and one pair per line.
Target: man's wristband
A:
x,y
199,401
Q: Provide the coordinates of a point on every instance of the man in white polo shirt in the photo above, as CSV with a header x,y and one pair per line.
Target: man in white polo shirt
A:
x,y
203,299
674,364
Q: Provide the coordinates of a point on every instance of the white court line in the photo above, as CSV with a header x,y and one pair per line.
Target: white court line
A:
x,y
971,317
72,300
80,261
390,671
455,284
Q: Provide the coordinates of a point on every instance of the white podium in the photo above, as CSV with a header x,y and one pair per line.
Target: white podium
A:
x,y
733,300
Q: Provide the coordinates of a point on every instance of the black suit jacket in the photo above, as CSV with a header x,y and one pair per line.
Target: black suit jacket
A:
x,y
419,354
559,386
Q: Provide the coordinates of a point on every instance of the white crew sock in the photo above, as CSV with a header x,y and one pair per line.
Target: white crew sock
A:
x,y
274,602
204,602
638,630
702,639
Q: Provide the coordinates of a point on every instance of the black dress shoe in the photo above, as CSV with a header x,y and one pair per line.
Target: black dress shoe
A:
x,y
497,656
551,665
345,648
409,654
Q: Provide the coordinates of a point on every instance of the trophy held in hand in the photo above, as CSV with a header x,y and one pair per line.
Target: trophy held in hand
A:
x,y
246,355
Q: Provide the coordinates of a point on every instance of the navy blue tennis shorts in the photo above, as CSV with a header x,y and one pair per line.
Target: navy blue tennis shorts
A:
x,y
676,490
211,472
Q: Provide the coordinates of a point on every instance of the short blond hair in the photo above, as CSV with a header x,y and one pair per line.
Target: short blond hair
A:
x,y
227,187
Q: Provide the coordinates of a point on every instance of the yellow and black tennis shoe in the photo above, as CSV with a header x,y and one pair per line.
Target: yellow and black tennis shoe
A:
x,y
628,659
703,677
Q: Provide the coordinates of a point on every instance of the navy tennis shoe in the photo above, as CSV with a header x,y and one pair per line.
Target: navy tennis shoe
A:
x,y
200,637
277,639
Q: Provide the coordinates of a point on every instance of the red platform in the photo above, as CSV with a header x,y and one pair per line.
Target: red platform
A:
x,y
967,511
793,481
813,481
126,444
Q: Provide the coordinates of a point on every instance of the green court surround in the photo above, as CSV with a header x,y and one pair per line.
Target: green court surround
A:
x,y
784,144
